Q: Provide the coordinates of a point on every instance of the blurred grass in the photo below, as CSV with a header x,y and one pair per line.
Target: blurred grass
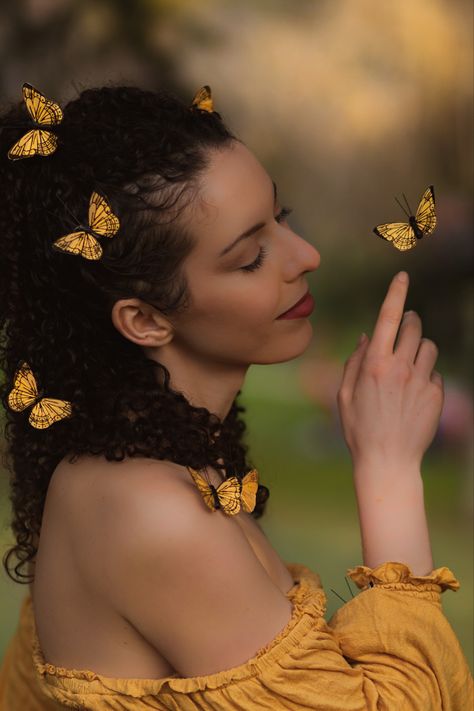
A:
x,y
311,514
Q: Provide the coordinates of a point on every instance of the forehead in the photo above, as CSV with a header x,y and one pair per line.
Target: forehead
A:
x,y
232,190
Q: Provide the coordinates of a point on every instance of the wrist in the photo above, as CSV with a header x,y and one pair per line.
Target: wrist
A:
x,y
378,468
393,523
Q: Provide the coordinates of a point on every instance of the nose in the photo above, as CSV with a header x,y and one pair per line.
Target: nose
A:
x,y
310,256
301,256
316,256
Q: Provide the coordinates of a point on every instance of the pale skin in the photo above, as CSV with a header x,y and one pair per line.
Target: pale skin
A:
x,y
390,398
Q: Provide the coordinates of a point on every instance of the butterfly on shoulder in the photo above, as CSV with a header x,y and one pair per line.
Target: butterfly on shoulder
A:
x,y
404,235
102,223
231,494
44,113
25,392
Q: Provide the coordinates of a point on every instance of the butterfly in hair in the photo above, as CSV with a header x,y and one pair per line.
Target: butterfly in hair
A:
x,y
231,495
102,223
203,99
25,392
44,113
404,235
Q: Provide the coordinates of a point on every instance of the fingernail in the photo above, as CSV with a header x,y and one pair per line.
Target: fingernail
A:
x,y
362,338
403,277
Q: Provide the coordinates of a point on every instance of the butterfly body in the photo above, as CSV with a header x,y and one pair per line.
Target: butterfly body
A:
x,y
404,235
215,497
231,495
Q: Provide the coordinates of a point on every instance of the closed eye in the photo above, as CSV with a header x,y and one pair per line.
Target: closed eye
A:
x,y
281,217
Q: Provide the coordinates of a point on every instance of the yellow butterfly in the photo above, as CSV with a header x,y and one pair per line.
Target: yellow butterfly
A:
x,y
25,392
44,113
404,235
203,99
230,494
102,223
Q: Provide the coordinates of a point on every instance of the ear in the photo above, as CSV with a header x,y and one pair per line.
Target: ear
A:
x,y
141,323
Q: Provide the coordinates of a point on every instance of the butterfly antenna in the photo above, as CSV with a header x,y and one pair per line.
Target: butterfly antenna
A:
x,y
348,586
406,213
335,593
68,210
406,202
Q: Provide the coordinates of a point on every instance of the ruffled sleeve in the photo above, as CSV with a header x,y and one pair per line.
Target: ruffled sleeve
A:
x,y
395,636
390,574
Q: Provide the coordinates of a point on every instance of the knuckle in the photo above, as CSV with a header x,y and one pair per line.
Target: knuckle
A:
x,y
391,317
403,371
343,394
374,367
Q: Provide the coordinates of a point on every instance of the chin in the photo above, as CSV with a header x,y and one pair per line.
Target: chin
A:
x,y
289,346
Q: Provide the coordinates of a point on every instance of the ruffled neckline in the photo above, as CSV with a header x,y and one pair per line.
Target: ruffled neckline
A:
x,y
309,607
309,603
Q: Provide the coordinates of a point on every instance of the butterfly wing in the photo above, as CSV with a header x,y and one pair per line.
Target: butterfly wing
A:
x,y
204,488
249,490
80,242
425,215
49,410
101,218
228,493
41,109
37,141
401,234
25,390
203,99
34,142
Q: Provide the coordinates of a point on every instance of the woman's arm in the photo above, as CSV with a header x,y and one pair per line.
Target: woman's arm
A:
x,y
393,523
390,402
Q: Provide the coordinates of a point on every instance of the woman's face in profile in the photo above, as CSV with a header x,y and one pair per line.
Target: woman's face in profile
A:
x,y
233,314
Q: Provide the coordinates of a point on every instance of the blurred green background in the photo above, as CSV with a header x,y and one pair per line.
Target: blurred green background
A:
x,y
347,105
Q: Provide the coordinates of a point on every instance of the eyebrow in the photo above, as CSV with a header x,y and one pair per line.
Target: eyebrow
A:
x,y
251,231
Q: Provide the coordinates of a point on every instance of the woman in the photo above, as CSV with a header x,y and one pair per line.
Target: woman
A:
x,y
148,587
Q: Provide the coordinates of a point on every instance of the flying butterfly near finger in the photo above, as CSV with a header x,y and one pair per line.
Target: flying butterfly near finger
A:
x,y
24,393
231,494
84,241
404,235
44,113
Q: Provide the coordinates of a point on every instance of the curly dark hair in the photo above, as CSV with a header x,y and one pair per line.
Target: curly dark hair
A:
x,y
55,308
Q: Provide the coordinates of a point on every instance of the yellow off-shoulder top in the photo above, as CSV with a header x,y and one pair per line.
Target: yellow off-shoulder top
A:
x,y
389,648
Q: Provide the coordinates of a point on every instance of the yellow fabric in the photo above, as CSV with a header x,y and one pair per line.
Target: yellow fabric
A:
x,y
389,648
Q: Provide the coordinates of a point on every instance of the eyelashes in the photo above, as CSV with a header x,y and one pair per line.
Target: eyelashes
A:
x,y
282,215
257,263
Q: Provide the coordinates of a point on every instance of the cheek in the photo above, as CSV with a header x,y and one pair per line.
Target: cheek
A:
x,y
234,301
244,303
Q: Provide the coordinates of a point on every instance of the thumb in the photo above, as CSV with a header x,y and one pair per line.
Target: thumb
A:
x,y
352,364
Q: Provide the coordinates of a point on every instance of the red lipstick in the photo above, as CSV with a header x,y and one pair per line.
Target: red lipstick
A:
x,y
302,308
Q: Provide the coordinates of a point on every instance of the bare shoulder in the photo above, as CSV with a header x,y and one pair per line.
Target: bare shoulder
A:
x,y
183,576
105,504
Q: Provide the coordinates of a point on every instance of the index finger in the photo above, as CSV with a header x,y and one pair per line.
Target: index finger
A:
x,y
391,312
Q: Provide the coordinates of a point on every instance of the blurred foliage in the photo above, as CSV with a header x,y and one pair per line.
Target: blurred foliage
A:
x,y
347,105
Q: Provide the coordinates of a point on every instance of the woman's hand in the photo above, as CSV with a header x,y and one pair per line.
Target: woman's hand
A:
x,y
390,400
